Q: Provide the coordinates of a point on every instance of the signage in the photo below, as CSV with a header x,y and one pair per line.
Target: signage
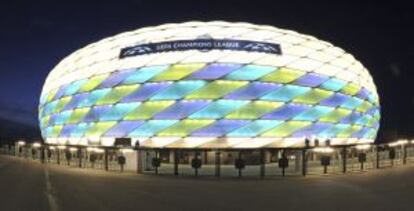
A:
x,y
203,45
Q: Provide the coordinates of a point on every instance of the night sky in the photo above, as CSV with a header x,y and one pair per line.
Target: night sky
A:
x,y
36,35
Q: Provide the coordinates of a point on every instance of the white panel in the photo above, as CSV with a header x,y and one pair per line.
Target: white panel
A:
x,y
305,64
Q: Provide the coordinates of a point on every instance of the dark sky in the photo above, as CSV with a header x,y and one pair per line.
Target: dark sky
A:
x,y
36,35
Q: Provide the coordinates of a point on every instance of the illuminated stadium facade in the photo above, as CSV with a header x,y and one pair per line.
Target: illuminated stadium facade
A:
x,y
209,85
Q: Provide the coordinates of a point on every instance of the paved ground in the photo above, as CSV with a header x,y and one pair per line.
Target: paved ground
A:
x,y
27,185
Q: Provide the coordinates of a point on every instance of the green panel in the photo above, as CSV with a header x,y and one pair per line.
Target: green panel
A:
x,y
99,128
93,83
335,115
41,109
117,93
283,75
51,95
254,110
177,72
148,109
45,121
185,127
77,115
61,104
314,96
351,89
349,131
216,89
371,134
55,131
286,129
364,107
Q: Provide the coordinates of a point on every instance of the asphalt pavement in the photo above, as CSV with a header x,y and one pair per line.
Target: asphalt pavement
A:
x,y
29,185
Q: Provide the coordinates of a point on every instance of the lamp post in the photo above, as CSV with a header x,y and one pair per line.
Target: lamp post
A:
x,y
196,163
20,145
362,155
304,158
283,162
325,156
239,164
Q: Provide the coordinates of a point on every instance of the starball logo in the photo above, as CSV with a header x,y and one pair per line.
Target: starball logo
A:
x,y
204,43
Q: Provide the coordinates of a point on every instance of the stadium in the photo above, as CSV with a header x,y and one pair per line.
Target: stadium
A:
x,y
219,92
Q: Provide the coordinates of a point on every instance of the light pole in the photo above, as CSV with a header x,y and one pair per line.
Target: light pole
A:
x,y
325,156
362,155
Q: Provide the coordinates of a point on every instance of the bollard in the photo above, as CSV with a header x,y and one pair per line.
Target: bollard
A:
x,y
217,163
176,160
344,160
262,163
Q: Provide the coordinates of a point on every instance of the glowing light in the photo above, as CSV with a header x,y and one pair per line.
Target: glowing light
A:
x,y
127,150
323,150
61,147
363,147
21,143
398,143
95,149
36,145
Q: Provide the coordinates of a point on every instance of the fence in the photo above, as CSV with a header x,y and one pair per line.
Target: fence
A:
x,y
223,162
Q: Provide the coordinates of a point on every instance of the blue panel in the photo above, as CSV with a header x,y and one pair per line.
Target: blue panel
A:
x,y
80,130
61,92
352,103
333,131
333,84
123,128
145,91
220,128
49,131
286,93
335,100
118,111
363,93
361,133
363,120
372,111
255,128
181,109
218,109
312,130
351,118
67,130
178,90
75,100
144,74
52,119
253,91
116,78
214,71
96,113
311,79
151,127
314,113
49,108
62,117
250,72
94,97
74,87
287,112
372,98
